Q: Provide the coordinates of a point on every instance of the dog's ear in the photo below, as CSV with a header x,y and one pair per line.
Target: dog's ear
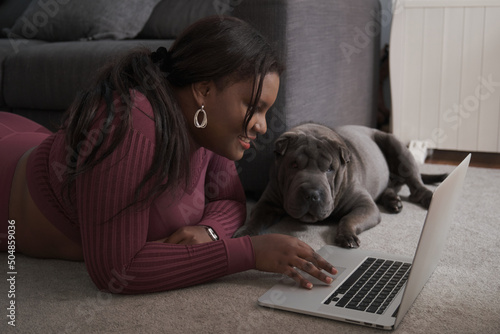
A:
x,y
345,154
281,144
340,147
284,141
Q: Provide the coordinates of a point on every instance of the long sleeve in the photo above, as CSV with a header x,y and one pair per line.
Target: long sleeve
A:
x,y
225,211
117,255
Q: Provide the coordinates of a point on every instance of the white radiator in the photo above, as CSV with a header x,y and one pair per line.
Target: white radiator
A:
x,y
445,73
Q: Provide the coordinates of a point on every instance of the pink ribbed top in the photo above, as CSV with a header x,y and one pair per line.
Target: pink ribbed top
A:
x,y
118,250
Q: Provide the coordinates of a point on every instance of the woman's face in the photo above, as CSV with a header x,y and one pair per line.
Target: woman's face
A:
x,y
226,110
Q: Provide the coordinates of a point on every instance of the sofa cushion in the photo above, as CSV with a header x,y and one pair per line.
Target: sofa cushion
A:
x,y
7,48
66,20
48,76
171,17
10,10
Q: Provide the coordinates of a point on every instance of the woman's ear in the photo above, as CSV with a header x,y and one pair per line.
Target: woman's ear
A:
x,y
201,90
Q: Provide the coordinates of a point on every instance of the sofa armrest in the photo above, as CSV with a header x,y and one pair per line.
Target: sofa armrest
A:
x,y
330,49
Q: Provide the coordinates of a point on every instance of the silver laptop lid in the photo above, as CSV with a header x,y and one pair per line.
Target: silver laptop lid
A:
x,y
433,235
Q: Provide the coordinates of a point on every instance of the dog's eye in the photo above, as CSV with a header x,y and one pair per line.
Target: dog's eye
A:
x,y
294,165
330,169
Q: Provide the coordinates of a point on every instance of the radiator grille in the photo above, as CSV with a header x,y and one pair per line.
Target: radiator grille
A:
x,y
445,73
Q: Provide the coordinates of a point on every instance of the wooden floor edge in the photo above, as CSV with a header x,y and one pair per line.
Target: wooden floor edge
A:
x,y
478,159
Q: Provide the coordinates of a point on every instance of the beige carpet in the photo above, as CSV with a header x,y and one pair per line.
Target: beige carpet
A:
x,y
462,296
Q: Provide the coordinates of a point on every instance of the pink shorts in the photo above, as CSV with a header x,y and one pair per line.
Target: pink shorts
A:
x,y
17,135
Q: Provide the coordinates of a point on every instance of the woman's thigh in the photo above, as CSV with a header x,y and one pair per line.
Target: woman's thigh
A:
x,y
17,135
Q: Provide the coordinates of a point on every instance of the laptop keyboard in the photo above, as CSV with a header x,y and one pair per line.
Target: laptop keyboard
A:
x,y
372,287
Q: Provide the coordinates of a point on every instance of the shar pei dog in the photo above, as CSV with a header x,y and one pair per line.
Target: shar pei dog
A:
x,y
320,174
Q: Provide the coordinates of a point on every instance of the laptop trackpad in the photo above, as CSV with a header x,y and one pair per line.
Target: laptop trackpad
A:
x,y
316,282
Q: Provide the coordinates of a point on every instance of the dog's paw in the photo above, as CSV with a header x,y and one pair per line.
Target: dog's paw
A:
x,y
347,240
393,205
422,197
426,201
391,201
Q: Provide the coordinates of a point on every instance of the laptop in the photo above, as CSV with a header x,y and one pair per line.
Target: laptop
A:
x,y
372,288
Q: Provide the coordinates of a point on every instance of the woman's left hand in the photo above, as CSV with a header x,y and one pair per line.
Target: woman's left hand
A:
x,y
189,235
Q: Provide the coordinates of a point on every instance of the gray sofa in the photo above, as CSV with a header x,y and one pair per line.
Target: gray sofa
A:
x,y
330,49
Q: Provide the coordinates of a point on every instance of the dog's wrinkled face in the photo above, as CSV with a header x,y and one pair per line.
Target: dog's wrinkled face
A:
x,y
311,170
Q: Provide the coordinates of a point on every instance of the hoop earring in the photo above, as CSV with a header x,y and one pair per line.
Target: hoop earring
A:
x,y
204,121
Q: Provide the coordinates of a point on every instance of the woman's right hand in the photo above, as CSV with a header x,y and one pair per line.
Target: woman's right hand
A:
x,y
282,254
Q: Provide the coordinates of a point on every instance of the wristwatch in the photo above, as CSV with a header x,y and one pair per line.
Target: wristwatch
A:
x,y
212,233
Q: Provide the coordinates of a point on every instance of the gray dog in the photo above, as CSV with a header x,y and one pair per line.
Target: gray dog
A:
x,y
322,174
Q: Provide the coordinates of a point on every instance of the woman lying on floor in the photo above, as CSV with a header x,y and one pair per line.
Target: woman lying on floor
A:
x,y
140,181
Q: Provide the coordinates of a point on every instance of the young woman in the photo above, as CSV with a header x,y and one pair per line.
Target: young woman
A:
x,y
140,181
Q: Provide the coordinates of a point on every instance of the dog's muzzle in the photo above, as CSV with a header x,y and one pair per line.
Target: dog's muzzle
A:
x,y
308,204
312,196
